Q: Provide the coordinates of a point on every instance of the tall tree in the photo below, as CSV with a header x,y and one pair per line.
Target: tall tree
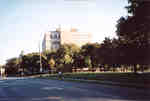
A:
x,y
65,56
12,66
91,50
134,30
133,4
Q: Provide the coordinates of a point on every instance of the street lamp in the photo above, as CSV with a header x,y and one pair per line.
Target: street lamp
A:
x,y
41,68
21,60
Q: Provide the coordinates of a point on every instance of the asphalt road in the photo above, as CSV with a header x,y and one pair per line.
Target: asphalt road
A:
x,y
32,89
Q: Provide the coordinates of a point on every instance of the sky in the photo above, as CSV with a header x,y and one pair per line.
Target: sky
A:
x,y
23,22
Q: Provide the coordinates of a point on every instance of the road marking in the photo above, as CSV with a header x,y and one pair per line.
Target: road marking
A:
x,y
1,81
52,88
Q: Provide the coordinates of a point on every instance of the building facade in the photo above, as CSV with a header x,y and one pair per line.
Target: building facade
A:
x,y
53,39
73,36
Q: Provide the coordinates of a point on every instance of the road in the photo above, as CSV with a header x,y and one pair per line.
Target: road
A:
x,y
33,89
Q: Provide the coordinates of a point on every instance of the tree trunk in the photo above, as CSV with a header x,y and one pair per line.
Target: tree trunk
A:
x,y
32,70
135,68
142,68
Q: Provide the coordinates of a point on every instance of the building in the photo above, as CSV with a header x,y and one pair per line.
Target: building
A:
x,y
72,36
53,39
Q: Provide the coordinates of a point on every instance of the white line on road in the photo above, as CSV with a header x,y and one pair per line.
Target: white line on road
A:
x,y
52,88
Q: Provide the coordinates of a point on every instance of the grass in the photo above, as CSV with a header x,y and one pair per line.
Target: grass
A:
x,y
113,78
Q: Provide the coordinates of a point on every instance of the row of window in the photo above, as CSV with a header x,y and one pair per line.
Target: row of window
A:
x,y
55,46
55,36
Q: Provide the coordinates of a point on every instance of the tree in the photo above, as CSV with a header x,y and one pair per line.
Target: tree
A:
x,y
88,62
91,50
12,66
106,52
51,63
134,30
31,63
133,4
65,57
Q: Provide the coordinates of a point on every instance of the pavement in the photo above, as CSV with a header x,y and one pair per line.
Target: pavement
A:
x,y
35,89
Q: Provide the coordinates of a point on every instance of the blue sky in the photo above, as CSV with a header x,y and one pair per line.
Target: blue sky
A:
x,y
23,22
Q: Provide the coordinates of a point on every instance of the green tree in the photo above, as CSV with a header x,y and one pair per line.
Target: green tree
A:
x,y
88,62
31,63
51,63
133,4
12,66
106,52
65,57
134,31
91,50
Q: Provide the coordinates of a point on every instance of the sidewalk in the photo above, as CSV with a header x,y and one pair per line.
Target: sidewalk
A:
x,y
12,78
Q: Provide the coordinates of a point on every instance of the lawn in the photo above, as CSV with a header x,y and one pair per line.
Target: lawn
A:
x,y
143,78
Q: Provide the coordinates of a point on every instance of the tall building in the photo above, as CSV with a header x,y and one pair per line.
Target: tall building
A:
x,y
53,39
72,36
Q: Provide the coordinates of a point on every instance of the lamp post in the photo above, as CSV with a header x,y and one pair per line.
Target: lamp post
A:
x,y
41,68
21,60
